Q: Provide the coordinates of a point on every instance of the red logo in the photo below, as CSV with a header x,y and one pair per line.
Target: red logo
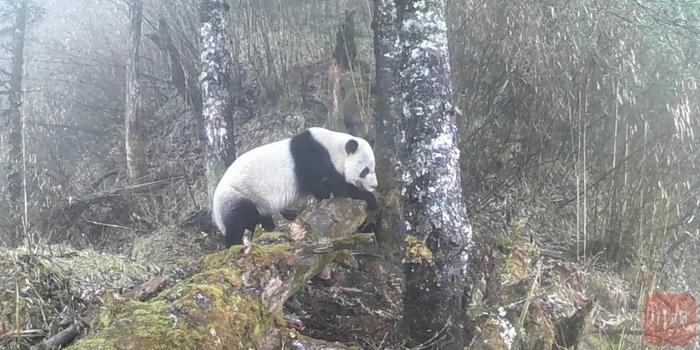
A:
x,y
669,319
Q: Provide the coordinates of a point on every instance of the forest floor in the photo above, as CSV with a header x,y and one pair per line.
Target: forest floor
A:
x,y
523,298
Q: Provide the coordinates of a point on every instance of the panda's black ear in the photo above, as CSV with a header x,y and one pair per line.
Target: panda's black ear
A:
x,y
351,146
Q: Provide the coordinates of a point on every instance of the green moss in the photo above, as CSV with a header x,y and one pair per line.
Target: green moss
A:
x,y
204,311
159,328
200,312
388,219
516,264
221,258
267,237
417,252
256,254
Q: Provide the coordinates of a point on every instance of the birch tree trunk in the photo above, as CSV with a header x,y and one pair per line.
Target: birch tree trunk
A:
x,y
216,84
433,207
15,169
390,233
134,141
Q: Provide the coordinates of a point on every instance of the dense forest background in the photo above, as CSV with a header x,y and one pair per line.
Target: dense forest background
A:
x,y
577,120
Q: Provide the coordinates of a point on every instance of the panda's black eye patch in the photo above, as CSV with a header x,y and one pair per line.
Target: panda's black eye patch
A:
x,y
364,172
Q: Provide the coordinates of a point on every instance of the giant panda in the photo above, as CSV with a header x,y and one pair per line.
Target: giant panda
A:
x,y
272,179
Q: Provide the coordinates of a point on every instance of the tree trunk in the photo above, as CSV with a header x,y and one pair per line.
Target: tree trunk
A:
x,y
433,207
345,48
134,140
15,169
216,84
390,231
336,113
185,87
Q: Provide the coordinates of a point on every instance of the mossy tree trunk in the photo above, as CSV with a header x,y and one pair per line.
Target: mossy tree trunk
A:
x,y
390,231
433,205
219,150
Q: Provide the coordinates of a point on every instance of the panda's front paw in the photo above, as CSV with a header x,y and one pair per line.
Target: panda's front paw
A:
x,y
372,202
289,214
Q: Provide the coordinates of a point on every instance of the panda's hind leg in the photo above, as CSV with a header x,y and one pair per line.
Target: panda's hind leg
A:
x,y
234,234
268,223
243,216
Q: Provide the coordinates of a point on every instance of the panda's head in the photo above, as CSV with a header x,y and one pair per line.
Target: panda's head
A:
x,y
359,165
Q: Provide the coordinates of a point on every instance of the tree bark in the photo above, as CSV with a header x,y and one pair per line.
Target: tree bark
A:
x,y
134,140
433,207
336,113
345,47
216,85
390,231
15,169
186,87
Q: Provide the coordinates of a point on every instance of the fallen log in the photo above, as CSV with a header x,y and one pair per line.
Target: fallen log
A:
x,y
64,214
235,300
148,289
61,338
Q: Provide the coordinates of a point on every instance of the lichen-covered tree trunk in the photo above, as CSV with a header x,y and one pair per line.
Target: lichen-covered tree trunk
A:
x,y
216,84
15,169
390,232
134,141
433,207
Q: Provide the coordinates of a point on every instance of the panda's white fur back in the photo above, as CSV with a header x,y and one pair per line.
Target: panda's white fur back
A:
x,y
271,186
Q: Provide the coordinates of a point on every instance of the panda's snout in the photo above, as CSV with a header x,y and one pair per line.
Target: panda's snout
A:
x,y
371,187
366,186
